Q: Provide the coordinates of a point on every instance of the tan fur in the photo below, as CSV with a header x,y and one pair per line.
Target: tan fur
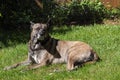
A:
x,y
44,50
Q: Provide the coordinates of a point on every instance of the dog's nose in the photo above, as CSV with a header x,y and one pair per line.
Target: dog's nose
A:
x,y
41,33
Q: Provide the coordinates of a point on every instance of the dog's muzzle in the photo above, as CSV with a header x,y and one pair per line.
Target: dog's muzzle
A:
x,y
40,36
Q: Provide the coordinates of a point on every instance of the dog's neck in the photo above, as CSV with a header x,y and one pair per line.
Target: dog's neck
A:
x,y
46,45
39,44
44,42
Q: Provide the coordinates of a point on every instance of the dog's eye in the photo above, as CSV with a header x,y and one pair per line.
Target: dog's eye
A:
x,y
37,28
44,30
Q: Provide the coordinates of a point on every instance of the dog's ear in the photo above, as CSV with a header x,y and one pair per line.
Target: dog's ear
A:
x,y
49,24
48,21
31,24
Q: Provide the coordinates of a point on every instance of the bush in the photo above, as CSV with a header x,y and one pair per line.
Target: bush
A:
x,y
17,13
113,13
83,12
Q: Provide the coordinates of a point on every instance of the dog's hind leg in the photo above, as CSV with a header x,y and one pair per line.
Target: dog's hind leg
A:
x,y
70,64
27,62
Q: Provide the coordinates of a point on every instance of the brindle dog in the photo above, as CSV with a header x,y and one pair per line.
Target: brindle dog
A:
x,y
44,50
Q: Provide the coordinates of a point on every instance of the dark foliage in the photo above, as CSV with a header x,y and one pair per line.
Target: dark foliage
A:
x,y
15,16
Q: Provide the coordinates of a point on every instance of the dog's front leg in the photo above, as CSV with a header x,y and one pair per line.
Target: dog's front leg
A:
x,y
35,66
27,62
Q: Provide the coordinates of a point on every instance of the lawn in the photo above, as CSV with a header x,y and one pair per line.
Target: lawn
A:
x,y
105,39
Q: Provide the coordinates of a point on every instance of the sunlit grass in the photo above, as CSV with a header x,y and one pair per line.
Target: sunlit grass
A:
x,y
105,39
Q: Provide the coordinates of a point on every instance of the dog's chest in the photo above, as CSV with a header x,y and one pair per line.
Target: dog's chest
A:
x,y
38,56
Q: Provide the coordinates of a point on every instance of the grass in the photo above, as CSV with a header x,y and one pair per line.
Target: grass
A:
x,y
105,39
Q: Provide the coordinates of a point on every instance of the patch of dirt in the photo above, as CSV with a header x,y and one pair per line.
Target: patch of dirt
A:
x,y
112,21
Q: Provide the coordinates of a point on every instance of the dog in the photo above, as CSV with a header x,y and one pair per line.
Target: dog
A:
x,y
44,50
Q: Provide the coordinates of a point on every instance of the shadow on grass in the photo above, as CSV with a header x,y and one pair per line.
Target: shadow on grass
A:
x,y
61,30
13,37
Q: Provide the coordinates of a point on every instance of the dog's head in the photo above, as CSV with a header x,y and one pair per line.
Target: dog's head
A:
x,y
39,31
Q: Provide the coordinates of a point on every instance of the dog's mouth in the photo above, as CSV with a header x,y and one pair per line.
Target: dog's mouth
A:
x,y
38,38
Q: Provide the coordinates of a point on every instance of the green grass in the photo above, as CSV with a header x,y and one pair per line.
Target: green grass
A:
x,y
105,39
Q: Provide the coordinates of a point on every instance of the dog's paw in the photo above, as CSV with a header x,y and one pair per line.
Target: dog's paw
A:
x,y
7,68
